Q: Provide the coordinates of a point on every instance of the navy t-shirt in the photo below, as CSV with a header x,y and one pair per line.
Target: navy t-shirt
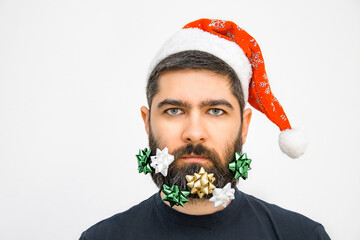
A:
x,y
246,217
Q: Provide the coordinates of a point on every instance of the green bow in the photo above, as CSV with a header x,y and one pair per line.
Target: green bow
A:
x,y
240,166
143,163
174,196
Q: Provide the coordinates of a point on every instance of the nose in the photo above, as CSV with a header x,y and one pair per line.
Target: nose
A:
x,y
194,130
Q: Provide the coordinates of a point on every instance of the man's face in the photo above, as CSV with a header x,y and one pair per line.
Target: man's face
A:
x,y
195,108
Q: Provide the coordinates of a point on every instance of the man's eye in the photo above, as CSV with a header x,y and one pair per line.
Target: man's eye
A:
x,y
216,112
174,111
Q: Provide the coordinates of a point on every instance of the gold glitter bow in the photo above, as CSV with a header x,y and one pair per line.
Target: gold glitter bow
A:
x,y
201,182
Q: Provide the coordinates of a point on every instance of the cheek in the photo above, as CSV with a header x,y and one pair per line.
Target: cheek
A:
x,y
224,135
167,133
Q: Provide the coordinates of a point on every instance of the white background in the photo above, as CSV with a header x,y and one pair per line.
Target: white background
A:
x,y
72,81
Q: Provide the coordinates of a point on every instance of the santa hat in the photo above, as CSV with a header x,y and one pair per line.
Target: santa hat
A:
x,y
229,42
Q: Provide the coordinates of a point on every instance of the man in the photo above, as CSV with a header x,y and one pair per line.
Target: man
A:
x,y
197,124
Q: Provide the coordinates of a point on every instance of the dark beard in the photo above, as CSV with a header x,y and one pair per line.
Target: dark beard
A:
x,y
176,174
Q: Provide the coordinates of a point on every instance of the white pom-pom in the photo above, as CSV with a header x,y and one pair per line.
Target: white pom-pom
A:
x,y
292,142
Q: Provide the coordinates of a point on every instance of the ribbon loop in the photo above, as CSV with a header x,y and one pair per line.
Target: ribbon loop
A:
x,y
201,183
174,196
143,161
240,166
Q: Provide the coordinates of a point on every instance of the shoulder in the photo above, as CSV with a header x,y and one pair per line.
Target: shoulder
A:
x,y
122,223
287,223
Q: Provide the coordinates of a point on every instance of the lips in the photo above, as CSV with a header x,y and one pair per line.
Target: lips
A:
x,y
193,158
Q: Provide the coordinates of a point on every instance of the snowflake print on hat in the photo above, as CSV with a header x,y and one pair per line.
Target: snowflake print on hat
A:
x,y
232,44
260,98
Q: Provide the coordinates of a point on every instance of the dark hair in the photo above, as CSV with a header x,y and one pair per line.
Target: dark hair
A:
x,y
194,59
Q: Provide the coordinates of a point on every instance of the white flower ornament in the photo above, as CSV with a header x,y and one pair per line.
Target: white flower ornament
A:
x,y
161,161
221,196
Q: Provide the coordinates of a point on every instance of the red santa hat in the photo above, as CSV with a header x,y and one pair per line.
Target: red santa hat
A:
x,y
240,51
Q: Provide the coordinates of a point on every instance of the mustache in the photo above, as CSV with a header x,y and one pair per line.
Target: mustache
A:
x,y
198,150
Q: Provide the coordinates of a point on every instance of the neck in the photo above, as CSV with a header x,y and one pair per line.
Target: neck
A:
x,y
196,207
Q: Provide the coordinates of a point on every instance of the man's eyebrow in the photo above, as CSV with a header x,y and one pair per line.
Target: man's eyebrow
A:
x,y
210,103
174,102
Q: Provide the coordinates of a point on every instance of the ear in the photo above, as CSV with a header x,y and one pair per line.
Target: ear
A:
x,y
145,114
245,125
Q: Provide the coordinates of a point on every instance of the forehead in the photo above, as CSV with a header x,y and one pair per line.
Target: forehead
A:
x,y
194,86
